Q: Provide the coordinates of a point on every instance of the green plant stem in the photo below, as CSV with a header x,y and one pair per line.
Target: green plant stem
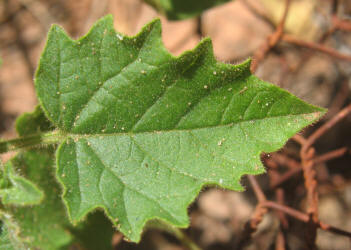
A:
x,y
183,238
30,141
176,232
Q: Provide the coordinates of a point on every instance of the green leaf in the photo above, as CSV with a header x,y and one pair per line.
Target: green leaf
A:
x,y
145,131
9,234
42,226
94,234
46,226
5,241
17,190
33,123
4,181
182,9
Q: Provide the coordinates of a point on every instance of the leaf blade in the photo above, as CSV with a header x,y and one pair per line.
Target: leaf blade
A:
x,y
9,234
44,225
17,190
144,127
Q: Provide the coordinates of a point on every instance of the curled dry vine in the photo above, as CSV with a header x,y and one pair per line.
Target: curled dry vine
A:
x,y
307,153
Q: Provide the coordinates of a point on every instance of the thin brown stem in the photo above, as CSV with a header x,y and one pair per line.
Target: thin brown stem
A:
x,y
315,46
331,155
272,40
299,139
326,126
304,218
256,187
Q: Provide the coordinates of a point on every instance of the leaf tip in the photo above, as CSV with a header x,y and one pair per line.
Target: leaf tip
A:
x,y
155,25
245,66
55,29
315,116
106,20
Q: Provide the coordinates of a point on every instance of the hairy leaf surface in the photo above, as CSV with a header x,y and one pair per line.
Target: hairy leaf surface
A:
x,y
182,9
46,226
16,190
5,240
145,131
9,234
33,123
41,226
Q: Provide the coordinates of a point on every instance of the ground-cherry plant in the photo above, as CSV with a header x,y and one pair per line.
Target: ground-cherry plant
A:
x,y
126,128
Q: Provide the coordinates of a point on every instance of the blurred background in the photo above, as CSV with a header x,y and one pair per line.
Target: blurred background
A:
x,y
318,71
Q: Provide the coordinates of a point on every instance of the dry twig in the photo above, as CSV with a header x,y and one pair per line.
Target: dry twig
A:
x,y
305,218
315,46
271,41
326,126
